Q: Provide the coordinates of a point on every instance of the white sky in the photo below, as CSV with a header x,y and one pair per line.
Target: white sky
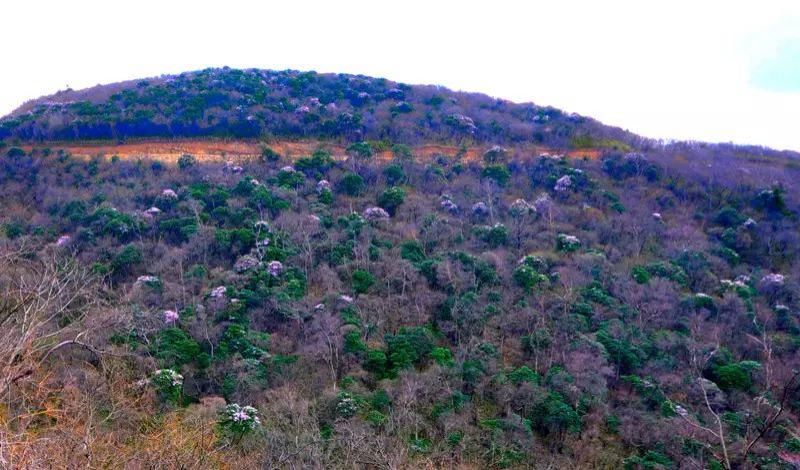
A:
x,y
701,69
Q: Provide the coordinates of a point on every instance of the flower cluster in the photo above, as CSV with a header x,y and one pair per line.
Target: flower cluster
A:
x,y
376,213
150,281
323,185
542,203
239,419
551,157
567,242
288,169
232,168
261,225
218,292
63,240
168,193
246,262
521,207
773,279
346,405
563,184
448,204
167,377
170,316
275,268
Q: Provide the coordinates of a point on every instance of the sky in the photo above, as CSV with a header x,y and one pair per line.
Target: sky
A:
x,y
718,71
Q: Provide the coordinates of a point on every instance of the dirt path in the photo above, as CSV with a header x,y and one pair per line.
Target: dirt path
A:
x,y
168,151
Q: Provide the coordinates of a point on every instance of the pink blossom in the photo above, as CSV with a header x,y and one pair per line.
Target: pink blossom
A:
x,y
170,316
275,268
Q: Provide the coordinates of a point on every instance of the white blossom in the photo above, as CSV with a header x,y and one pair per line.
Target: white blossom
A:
x,y
563,183
218,292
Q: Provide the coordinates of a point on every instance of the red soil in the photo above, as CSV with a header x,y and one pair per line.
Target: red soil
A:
x,y
168,151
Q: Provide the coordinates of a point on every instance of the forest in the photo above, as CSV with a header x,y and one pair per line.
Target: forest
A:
x,y
636,310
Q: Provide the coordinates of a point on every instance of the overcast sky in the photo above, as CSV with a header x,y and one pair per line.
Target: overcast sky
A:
x,y
708,70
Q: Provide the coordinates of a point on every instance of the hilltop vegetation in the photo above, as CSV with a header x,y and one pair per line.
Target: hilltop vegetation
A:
x,y
259,103
639,310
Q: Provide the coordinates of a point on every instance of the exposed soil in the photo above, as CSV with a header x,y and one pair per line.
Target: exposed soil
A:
x,y
168,151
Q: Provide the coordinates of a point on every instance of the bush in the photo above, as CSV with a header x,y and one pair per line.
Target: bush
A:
x,y
362,281
442,356
360,150
173,348
391,199
494,236
351,184
498,173
127,258
640,274
554,416
236,421
394,174
186,161
269,155
527,277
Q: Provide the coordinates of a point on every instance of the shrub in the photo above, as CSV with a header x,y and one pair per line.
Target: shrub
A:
x,y
127,258
640,274
391,199
15,152
169,385
567,243
174,347
360,150
524,374
527,277
319,162
362,281
186,161
290,178
351,184
394,174
553,415
736,376
442,356
412,250
269,155
498,173
494,236
236,421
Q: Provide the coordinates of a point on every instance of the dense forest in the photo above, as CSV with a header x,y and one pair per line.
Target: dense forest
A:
x,y
636,310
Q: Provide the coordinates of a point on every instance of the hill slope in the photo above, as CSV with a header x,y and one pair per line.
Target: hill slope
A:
x,y
399,294
290,104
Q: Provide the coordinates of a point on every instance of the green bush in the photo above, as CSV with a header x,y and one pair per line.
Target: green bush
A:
x,y
173,348
527,277
442,356
351,184
394,174
362,281
127,258
497,173
640,274
391,199
361,150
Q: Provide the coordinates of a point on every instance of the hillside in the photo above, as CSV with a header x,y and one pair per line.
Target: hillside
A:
x,y
256,269
257,103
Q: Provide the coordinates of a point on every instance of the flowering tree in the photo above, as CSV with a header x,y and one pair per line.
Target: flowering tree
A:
x,y
236,421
